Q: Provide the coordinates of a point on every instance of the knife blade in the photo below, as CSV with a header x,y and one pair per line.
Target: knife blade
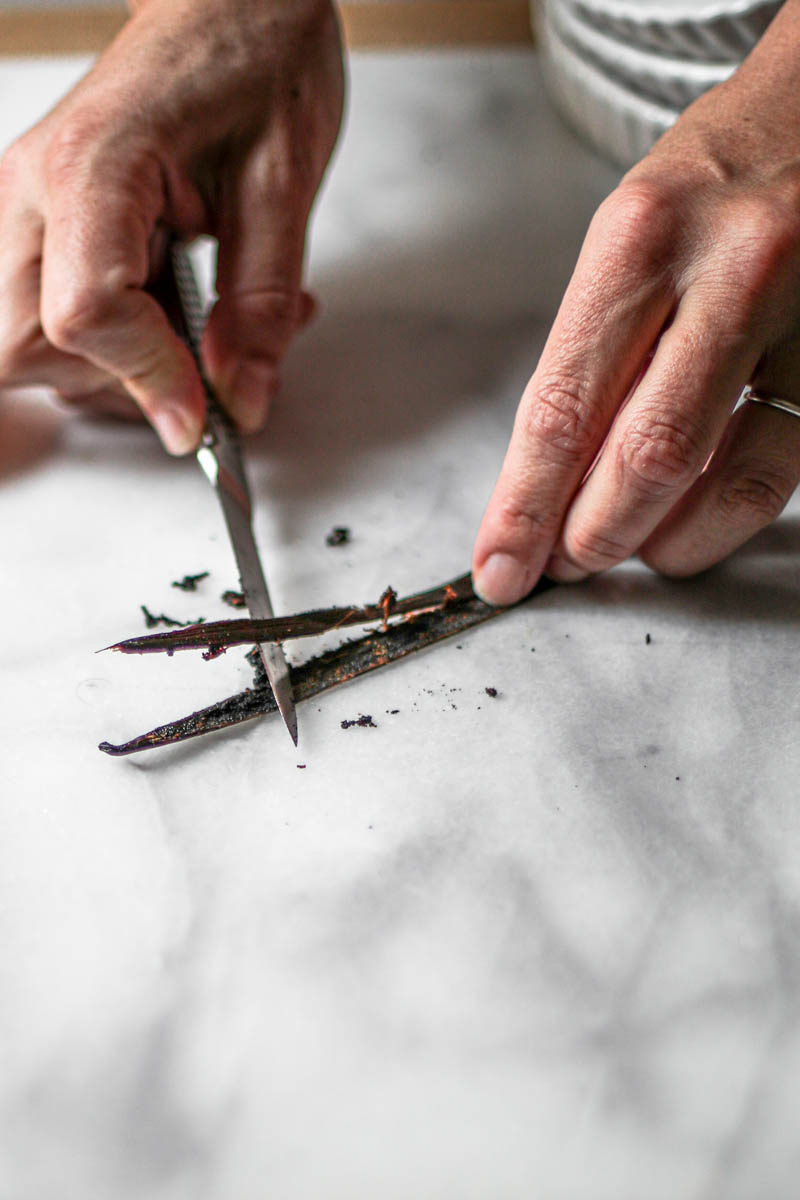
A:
x,y
220,457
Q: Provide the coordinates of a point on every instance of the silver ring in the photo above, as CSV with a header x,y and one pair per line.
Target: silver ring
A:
x,y
789,406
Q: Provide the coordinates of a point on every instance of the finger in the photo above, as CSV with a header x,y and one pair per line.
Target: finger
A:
x,y
26,357
261,305
613,311
660,442
20,330
745,487
93,305
103,403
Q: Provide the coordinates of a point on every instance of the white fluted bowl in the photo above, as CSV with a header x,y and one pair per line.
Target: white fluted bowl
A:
x,y
665,79
618,122
706,30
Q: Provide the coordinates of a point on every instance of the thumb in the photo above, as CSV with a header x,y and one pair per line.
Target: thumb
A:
x,y
261,305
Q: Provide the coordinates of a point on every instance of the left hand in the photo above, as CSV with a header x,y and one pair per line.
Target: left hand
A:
x,y
203,116
687,288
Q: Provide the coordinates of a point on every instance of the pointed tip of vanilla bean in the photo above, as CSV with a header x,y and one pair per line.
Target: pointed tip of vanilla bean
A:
x,y
114,751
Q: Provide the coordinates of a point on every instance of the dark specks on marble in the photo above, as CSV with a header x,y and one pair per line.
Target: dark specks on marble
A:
x,y
189,582
364,720
338,536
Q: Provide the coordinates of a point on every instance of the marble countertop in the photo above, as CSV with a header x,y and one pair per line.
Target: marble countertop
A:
x,y
541,946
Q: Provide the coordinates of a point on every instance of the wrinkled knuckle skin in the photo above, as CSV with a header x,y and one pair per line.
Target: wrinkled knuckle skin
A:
x,y
519,525
638,217
67,151
770,230
561,416
277,307
760,260
594,549
659,456
71,318
754,489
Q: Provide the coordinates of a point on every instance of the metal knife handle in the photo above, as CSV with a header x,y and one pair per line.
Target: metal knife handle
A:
x,y
189,318
194,312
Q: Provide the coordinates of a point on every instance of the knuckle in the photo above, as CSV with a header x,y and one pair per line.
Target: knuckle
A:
x,y
69,145
769,227
760,259
73,316
561,416
756,488
660,455
271,304
594,549
639,216
282,166
522,524
148,365
261,321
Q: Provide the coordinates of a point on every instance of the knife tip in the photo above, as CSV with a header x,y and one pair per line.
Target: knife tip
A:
x,y
289,714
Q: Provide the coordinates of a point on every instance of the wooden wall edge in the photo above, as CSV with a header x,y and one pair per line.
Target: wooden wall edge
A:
x,y
393,24
385,24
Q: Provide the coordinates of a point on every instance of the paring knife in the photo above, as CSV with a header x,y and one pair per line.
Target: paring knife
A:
x,y
220,456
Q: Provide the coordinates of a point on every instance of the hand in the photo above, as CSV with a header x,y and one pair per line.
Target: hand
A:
x,y
204,116
687,287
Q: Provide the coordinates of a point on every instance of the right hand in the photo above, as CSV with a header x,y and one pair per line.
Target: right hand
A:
x,y
687,288
203,117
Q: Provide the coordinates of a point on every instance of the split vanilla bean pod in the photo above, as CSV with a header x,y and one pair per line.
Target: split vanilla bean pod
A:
x,y
327,670
219,635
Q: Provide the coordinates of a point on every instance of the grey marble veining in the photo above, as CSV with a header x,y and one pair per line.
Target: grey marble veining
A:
x,y
537,947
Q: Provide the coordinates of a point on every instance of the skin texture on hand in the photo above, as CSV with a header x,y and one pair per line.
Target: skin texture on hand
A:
x,y
686,289
204,117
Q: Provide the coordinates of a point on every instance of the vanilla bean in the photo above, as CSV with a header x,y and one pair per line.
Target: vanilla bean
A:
x,y
219,635
325,671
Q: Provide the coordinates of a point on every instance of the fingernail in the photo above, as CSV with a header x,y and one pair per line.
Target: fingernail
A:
x,y
561,571
179,432
248,396
501,580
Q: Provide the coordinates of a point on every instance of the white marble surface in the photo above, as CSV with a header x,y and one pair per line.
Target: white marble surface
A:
x,y
542,947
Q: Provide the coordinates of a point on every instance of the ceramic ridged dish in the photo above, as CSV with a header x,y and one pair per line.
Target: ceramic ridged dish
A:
x,y
708,30
616,121
675,82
